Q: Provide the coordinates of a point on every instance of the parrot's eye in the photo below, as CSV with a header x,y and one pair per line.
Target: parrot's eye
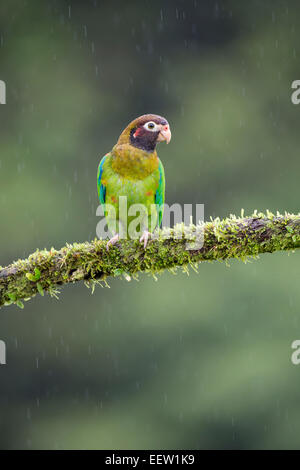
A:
x,y
150,126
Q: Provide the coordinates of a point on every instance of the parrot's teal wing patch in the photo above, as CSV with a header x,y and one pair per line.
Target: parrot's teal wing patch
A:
x,y
160,193
100,186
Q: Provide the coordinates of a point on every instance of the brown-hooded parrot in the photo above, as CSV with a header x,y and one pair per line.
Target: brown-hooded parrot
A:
x,y
133,169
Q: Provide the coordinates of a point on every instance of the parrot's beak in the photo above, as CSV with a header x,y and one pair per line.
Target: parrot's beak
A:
x,y
164,134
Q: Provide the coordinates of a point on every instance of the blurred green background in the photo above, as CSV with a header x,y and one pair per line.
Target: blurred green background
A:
x,y
199,361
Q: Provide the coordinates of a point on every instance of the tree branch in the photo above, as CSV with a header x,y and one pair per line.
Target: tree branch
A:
x,y
229,238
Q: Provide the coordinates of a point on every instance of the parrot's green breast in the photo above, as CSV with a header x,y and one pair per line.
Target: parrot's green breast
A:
x,y
133,163
138,184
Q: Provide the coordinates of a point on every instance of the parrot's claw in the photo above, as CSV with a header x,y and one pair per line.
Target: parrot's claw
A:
x,y
112,241
145,237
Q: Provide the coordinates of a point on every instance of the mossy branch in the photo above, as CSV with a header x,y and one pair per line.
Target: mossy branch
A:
x,y
233,237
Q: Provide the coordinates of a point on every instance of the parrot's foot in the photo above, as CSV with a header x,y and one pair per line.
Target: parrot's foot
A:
x,y
145,237
112,241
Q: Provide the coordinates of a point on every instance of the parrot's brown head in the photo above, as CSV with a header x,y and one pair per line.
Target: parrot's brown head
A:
x,y
145,132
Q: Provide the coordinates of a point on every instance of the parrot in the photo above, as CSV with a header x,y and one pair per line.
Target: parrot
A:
x,y
133,169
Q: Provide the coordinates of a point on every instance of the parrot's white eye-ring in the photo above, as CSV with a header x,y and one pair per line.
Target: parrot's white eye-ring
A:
x,y
151,126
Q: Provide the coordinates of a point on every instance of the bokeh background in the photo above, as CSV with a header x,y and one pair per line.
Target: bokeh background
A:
x,y
198,361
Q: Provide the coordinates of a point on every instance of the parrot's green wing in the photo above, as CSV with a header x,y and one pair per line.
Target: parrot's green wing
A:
x,y
160,193
101,187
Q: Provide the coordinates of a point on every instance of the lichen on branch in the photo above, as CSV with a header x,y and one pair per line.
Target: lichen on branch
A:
x,y
233,237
